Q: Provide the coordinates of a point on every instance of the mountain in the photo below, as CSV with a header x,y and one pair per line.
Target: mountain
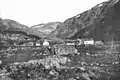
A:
x,y
3,25
100,23
8,24
14,25
46,28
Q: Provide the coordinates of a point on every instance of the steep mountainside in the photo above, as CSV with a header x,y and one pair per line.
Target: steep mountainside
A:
x,y
101,23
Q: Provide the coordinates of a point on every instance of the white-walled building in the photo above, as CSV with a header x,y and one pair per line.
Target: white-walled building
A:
x,y
45,43
88,41
70,42
37,44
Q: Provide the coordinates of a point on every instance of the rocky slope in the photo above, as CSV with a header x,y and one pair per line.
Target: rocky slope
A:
x,y
101,23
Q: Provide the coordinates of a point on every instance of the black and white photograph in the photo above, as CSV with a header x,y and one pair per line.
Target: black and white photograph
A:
x,y
59,39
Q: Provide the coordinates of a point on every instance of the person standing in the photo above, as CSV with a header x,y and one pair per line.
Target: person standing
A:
x,y
47,45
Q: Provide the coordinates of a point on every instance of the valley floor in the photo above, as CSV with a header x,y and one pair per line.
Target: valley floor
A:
x,y
95,62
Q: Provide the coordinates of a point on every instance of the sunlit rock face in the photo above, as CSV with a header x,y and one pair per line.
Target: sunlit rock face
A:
x,y
101,23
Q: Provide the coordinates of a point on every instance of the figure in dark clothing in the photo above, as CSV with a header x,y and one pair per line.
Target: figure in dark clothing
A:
x,y
51,50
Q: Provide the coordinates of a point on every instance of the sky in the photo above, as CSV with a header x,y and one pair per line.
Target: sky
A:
x,y
32,12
